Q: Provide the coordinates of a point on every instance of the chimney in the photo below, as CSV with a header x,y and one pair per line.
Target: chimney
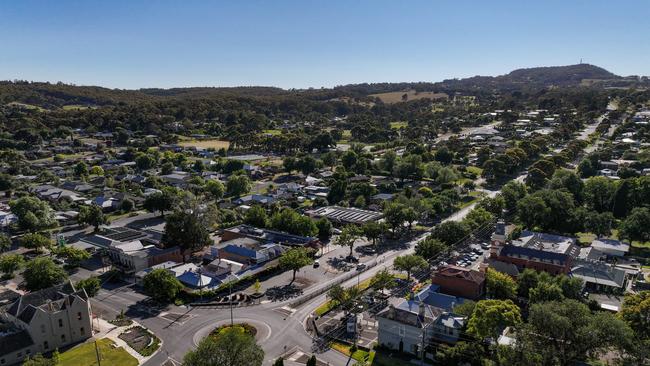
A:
x,y
421,310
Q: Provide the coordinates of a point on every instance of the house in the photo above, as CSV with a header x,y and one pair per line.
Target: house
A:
x,y
190,275
611,247
401,326
105,203
269,236
345,215
254,198
45,320
600,276
176,179
459,281
431,295
55,194
248,251
542,252
223,267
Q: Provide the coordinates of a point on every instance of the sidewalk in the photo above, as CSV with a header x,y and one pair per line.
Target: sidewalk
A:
x,y
112,332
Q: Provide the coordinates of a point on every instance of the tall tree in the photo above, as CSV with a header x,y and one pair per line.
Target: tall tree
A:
x,y
348,237
42,273
294,259
490,317
409,263
92,215
500,286
161,285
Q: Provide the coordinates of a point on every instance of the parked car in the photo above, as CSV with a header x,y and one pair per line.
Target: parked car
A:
x,y
316,263
361,267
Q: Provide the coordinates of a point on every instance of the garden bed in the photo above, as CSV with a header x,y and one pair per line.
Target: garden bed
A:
x,y
141,340
242,327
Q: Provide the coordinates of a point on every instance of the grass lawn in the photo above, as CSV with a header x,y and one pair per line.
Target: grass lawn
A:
x,y
586,238
358,355
272,132
347,134
384,359
84,355
206,144
398,124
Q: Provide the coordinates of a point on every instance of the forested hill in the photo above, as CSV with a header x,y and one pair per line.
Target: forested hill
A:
x,y
54,96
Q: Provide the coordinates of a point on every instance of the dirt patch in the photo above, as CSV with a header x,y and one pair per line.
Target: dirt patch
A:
x,y
206,144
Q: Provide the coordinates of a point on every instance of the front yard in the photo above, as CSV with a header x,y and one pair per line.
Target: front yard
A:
x,y
85,355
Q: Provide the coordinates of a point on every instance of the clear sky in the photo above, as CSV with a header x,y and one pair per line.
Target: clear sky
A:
x,y
309,43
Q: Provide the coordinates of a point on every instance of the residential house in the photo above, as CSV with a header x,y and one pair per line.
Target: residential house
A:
x,y
248,251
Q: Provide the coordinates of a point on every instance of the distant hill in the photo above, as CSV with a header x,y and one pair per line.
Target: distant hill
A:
x,y
53,96
571,75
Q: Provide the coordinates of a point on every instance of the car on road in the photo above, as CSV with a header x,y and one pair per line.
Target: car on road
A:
x,y
316,263
361,267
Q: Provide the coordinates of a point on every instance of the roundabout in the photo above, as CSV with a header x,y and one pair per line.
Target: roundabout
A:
x,y
259,330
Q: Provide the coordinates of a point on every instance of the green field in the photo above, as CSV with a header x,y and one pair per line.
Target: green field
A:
x,y
272,132
398,124
206,144
84,355
76,107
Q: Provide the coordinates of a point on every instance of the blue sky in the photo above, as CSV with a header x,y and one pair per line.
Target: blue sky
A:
x,y
309,43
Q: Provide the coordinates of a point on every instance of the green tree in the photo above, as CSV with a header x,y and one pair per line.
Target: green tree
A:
x,y
33,214
564,332
10,263
215,188
294,259
635,310
35,241
73,256
394,215
42,273
92,215
526,280
348,237
545,291
81,169
187,229
161,285
637,225
231,347
161,201
532,210
490,317
450,232
409,263
97,170
292,222
599,192
430,248
477,218
257,217
382,280
599,223
512,193
5,242
92,285
373,231
499,285
127,205
324,228
466,308
238,185
279,362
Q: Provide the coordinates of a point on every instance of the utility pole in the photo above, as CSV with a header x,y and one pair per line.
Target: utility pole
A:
x,y
99,362
232,322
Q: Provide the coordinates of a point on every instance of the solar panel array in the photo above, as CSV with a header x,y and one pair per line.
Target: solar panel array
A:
x,y
123,234
343,214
